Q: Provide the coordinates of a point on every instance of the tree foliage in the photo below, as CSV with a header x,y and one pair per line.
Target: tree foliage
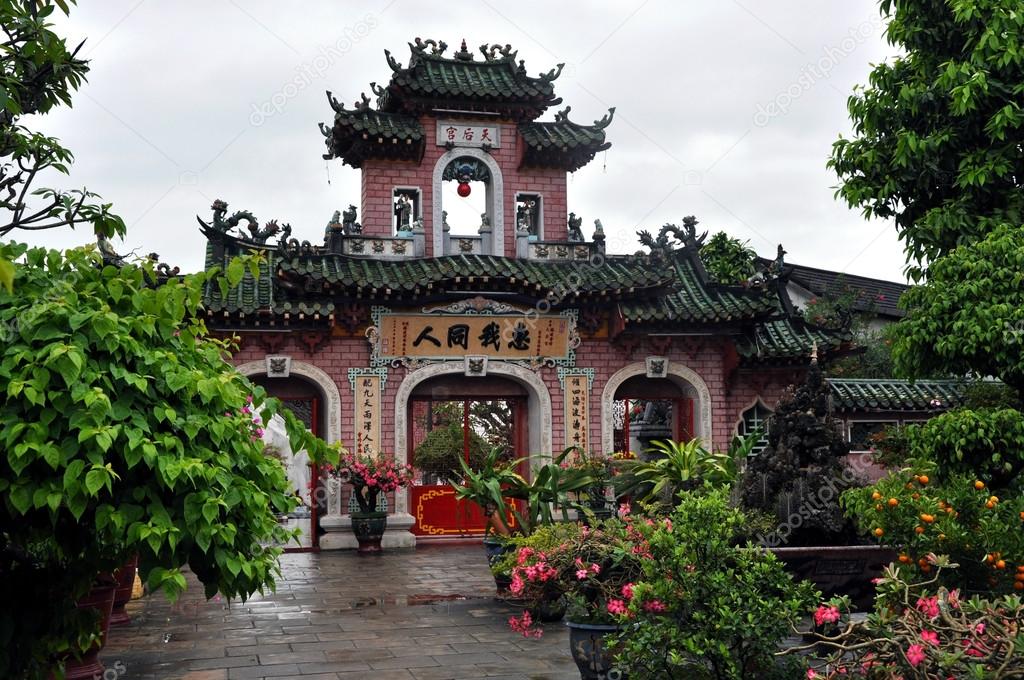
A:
x,y
728,260
38,72
125,431
938,131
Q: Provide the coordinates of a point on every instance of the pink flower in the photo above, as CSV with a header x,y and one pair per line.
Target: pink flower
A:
x,y
616,607
595,569
654,606
581,574
624,510
627,591
825,615
979,629
930,637
811,674
915,655
954,599
929,606
668,525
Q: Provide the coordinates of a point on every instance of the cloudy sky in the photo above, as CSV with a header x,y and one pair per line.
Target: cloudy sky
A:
x,y
726,109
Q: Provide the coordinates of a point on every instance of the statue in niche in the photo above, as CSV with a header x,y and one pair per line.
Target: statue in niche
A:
x,y
444,221
575,227
485,222
403,210
525,217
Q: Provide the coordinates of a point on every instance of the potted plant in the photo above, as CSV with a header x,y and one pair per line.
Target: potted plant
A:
x,y
125,577
592,569
369,476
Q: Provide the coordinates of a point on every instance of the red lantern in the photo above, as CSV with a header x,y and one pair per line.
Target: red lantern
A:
x,y
464,189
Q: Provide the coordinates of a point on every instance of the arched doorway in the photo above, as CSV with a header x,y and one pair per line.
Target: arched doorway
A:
x,y
313,398
452,418
637,409
651,409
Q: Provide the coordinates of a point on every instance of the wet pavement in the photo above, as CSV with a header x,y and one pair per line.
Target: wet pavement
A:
x,y
424,614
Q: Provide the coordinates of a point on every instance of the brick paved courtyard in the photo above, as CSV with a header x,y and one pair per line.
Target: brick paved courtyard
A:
x,y
428,614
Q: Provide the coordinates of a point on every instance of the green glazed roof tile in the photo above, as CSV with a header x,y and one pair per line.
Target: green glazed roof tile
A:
x,y
895,395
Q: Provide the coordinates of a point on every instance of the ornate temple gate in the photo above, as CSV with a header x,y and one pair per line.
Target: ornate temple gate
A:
x,y
445,426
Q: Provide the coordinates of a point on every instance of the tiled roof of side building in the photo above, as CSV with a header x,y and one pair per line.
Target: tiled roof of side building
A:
x,y
361,133
873,295
895,395
788,339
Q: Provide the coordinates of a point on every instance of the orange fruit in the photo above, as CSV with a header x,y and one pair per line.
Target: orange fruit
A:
x,y
1022,515
1019,577
994,499
915,496
942,537
990,505
878,508
875,496
909,485
923,479
893,502
979,485
1018,585
1020,568
919,529
904,559
926,568
879,531
926,518
990,558
1001,564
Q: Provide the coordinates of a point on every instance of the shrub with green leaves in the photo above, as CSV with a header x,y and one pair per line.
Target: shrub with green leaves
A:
x,y
728,260
705,607
124,430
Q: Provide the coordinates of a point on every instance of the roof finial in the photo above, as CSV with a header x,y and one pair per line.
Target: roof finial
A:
x,y
464,54
814,353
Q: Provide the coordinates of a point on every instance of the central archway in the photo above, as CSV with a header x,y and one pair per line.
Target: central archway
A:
x,y
538,405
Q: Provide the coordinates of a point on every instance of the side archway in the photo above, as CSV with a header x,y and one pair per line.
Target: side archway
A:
x,y
495,198
328,388
538,405
681,375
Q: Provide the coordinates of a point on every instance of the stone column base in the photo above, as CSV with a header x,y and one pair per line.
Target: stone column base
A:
x,y
339,532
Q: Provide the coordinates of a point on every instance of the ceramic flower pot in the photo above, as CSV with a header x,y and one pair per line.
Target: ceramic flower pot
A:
x,y
590,650
123,593
100,598
495,549
368,528
549,611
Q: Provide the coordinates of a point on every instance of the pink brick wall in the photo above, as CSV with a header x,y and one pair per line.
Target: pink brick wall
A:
x,y
380,177
706,358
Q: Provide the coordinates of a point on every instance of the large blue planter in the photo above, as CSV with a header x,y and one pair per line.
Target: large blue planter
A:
x,y
591,652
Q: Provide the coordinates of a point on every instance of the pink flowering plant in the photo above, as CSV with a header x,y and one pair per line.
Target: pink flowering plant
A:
x,y
370,476
921,629
590,567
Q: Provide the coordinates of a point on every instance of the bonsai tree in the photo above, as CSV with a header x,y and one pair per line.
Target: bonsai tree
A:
x,y
441,450
800,473
125,432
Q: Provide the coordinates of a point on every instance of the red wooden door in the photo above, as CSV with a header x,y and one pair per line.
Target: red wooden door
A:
x,y
439,430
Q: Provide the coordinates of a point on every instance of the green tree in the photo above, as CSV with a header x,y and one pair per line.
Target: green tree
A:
x,y
728,260
38,72
937,149
124,431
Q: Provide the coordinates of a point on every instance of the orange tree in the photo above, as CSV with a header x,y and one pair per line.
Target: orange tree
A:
x,y
959,516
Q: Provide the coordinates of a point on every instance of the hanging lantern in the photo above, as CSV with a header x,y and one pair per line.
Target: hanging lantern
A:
x,y
464,189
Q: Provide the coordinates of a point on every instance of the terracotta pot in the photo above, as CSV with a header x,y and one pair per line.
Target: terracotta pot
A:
x,y
123,594
100,598
369,529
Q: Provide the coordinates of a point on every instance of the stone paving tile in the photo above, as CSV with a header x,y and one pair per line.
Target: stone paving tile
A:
x,y
428,614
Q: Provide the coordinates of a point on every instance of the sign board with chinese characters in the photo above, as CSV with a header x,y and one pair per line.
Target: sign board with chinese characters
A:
x,y
460,134
577,411
367,394
452,336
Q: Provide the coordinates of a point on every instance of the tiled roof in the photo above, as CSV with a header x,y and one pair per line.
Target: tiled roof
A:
x,y
364,276
562,143
895,395
496,83
787,338
872,295
694,299
365,133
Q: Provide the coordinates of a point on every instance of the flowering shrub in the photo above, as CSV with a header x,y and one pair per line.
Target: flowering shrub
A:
x,y
369,476
704,607
960,517
923,630
590,567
